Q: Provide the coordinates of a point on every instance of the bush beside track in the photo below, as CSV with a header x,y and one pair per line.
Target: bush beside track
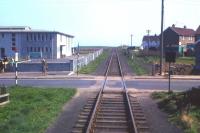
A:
x,y
183,108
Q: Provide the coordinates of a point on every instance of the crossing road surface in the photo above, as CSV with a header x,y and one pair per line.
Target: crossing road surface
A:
x,y
144,84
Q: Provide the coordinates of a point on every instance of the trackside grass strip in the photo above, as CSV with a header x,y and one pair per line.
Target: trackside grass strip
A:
x,y
31,109
92,66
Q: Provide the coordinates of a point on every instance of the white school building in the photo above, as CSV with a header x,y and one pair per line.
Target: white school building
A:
x,y
34,43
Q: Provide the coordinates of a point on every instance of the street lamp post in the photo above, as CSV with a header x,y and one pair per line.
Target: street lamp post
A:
x,y
161,38
52,47
148,31
77,63
131,39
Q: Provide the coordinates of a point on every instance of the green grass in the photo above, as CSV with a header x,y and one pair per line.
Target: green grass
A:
x,y
92,66
150,59
189,122
137,65
179,60
185,60
32,110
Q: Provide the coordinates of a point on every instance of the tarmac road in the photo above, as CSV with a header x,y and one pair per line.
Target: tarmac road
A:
x,y
141,84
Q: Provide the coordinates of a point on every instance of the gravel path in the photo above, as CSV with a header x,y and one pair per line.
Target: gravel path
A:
x,y
69,115
124,64
156,119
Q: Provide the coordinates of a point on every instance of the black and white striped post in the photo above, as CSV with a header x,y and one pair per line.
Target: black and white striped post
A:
x,y
16,71
16,82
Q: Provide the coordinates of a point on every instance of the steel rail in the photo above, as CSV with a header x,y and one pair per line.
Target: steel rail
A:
x,y
90,128
133,124
91,124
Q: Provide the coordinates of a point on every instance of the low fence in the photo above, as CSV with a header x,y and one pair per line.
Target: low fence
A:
x,y
65,65
84,60
176,69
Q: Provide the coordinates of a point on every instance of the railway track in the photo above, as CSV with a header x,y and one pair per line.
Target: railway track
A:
x,y
112,111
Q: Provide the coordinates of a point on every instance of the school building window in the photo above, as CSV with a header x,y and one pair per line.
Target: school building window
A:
x,y
42,37
38,36
2,35
27,37
31,37
13,34
34,37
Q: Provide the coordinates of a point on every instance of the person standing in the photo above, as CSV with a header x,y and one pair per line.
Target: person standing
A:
x,y
44,66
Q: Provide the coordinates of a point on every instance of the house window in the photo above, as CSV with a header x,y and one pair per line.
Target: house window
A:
x,y
2,35
42,49
13,43
38,49
31,49
46,49
27,49
35,49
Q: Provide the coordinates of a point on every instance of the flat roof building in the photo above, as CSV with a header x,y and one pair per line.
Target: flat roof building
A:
x,y
34,43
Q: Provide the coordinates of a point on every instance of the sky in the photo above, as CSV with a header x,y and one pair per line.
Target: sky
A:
x,y
100,22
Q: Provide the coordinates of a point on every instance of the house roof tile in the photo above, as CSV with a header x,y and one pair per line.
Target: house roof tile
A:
x,y
151,38
183,31
198,30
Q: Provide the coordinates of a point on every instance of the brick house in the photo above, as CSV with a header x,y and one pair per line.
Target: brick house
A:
x,y
178,37
197,34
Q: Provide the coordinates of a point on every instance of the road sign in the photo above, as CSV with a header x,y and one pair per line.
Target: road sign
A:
x,y
170,56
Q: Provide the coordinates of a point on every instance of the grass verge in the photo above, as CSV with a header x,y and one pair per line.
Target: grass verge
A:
x,y
32,110
185,60
179,60
188,120
137,65
92,66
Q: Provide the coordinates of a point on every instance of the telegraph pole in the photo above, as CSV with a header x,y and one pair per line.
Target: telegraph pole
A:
x,y
161,38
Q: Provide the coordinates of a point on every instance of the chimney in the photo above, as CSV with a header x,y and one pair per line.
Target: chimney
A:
x,y
184,27
173,25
